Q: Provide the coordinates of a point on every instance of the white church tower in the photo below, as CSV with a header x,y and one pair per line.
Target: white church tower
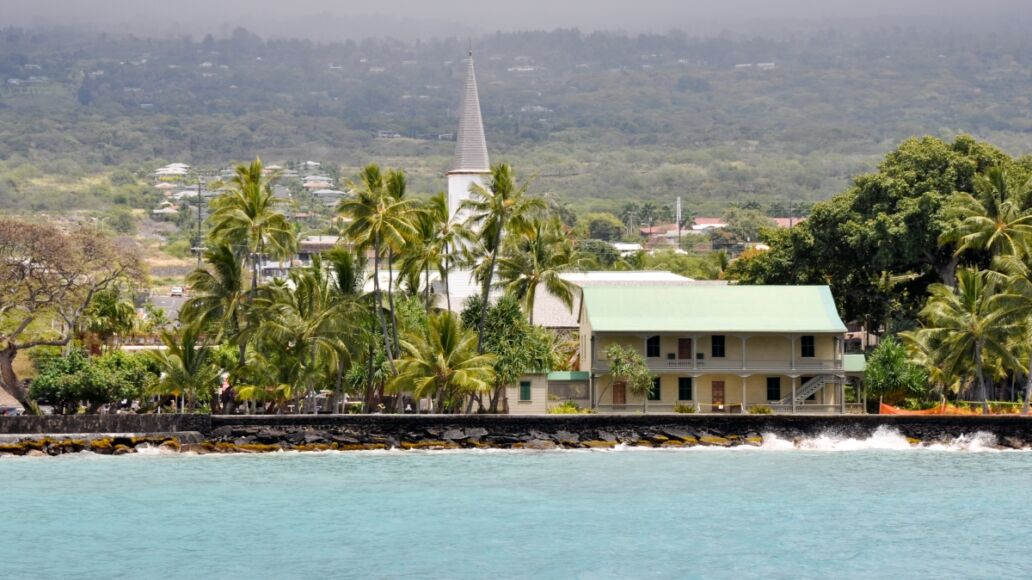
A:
x,y
471,164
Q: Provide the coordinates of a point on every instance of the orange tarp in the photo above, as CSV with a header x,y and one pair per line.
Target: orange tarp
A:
x,y
943,409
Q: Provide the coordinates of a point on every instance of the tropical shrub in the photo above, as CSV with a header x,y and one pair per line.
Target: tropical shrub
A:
x,y
568,408
682,408
760,410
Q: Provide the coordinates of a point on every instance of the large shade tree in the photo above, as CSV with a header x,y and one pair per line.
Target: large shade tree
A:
x,y
889,223
49,279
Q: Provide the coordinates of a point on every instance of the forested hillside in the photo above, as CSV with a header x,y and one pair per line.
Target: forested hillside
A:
x,y
600,118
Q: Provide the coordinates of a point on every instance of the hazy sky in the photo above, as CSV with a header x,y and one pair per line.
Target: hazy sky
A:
x,y
340,19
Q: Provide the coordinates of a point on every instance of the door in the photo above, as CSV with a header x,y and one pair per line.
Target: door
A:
x,y
684,349
619,393
718,395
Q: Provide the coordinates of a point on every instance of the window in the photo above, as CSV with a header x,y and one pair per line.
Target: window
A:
x,y
524,391
655,393
807,347
684,389
652,347
773,388
717,347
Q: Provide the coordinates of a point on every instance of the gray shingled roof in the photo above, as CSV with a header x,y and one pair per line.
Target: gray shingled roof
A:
x,y
471,145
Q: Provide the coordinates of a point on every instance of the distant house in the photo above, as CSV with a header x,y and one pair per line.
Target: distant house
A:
x,y
309,246
626,249
328,197
167,211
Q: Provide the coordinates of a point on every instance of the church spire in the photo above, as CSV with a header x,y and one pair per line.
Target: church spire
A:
x,y
470,143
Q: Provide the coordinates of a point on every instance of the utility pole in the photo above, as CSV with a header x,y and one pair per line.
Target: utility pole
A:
x,y
677,218
198,248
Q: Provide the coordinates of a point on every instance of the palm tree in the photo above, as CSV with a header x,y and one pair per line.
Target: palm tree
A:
x,y
501,208
186,367
648,214
108,315
1012,271
246,218
218,301
305,318
968,324
994,221
536,257
436,238
443,363
379,220
217,292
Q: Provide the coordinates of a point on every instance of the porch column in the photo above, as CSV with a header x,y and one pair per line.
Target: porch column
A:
x,y
842,396
791,353
695,349
794,379
744,338
743,394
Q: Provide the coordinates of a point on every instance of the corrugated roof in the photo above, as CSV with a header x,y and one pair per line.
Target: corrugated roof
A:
x,y
649,308
470,144
854,363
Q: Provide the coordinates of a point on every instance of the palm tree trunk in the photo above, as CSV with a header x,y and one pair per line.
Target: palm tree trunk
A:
x,y
1028,387
390,299
530,303
981,378
486,294
447,287
378,304
426,269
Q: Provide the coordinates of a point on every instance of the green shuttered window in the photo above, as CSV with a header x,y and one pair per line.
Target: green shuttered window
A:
x,y
684,389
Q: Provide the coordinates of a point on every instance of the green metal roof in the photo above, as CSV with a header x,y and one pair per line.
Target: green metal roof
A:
x,y
795,309
854,363
568,376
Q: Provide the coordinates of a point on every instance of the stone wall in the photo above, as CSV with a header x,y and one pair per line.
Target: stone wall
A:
x,y
204,433
52,424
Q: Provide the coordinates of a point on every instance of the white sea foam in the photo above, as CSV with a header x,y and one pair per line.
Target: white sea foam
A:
x,y
883,438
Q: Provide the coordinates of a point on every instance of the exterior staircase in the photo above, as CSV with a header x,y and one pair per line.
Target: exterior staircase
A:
x,y
806,389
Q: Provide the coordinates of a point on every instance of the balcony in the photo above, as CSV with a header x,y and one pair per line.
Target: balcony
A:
x,y
666,365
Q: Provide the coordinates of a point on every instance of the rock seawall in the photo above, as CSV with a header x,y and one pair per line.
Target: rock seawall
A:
x,y
256,434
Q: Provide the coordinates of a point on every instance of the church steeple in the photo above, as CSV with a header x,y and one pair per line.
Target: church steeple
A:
x,y
471,164
470,143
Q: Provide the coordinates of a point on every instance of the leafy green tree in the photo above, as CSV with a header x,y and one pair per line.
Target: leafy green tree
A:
x,y
888,223
442,362
538,256
597,254
891,376
76,378
518,346
626,363
501,208
246,218
745,225
604,226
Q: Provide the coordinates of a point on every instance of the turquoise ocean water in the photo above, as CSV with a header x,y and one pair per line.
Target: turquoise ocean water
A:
x,y
840,509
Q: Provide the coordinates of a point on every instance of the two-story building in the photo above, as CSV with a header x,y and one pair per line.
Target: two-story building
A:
x,y
719,348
